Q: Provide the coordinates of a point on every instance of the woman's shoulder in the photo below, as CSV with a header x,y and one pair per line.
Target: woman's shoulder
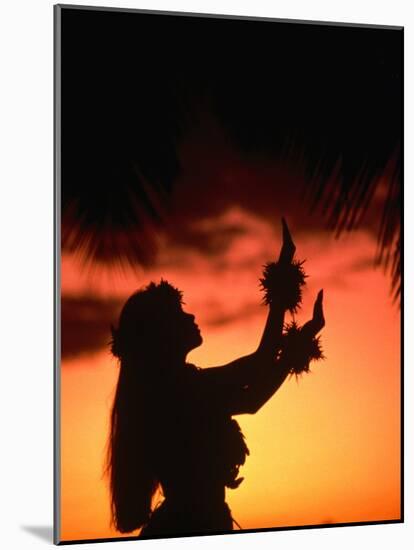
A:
x,y
193,368
206,392
198,376
194,378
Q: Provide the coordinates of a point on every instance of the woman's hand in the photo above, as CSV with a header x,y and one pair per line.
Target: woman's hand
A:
x,y
283,280
317,322
288,247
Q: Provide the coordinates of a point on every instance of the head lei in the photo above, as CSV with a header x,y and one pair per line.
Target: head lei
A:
x,y
145,308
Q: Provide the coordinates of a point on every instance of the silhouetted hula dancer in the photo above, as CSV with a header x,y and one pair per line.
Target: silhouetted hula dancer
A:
x,y
171,422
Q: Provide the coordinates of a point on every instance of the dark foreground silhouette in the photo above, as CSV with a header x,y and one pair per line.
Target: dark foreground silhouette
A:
x,y
171,423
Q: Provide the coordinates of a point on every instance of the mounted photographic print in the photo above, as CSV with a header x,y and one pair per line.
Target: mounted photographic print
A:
x,y
228,274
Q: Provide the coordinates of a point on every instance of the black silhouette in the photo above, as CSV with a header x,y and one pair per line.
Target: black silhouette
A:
x,y
171,422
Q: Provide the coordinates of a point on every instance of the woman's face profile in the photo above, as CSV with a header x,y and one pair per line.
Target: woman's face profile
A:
x,y
186,330
153,322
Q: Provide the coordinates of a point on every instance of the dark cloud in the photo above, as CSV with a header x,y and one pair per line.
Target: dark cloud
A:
x,y
362,264
86,324
212,183
211,239
221,318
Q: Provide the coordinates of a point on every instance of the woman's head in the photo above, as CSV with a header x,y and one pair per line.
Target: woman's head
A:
x,y
152,323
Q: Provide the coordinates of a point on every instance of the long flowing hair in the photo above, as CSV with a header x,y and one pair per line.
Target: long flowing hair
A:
x,y
143,326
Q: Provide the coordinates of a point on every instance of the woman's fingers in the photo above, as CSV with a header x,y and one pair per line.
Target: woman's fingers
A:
x,y
318,318
288,248
317,322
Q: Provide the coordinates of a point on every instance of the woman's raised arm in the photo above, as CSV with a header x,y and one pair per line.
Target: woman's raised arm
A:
x,y
245,385
245,375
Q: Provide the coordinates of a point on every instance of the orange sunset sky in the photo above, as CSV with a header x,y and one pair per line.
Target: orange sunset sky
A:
x,y
326,447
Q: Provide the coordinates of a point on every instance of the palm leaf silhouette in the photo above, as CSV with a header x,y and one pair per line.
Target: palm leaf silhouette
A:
x,y
344,201
327,97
